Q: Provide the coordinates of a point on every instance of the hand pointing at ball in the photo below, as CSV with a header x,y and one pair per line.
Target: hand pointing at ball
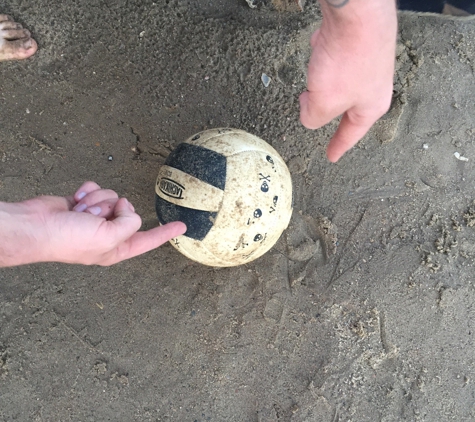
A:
x,y
94,226
351,69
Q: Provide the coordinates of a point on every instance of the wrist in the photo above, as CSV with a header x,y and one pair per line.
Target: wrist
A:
x,y
20,235
357,18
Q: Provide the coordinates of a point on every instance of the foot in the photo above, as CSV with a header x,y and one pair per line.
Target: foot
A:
x,y
15,42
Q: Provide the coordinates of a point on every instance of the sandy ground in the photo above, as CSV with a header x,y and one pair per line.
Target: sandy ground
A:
x,y
363,311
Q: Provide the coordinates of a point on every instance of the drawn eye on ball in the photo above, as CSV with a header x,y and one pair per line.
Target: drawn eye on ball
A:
x,y
271,161
259,238
256,214
264,187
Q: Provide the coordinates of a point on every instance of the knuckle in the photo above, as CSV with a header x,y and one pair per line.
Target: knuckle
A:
x,y
315,115
137,221
382,109
111,193
361,119
306,120
91,185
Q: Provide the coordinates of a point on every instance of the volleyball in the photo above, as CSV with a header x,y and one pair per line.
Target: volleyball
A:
x,y
231,189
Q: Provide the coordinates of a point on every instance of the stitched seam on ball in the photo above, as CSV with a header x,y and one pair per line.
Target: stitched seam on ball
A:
x,y
244,150
212,254
249,150
215,136
235,153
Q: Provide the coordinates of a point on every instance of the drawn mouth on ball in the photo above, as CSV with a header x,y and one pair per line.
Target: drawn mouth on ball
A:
x,y
171,188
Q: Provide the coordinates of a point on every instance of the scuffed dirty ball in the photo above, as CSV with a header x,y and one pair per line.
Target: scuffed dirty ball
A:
x,y
231,189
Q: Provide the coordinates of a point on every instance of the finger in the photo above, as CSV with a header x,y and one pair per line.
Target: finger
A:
x,y
124,222
86,187
70,202
104,209
122,230
351,130
95,198
316,112
142,242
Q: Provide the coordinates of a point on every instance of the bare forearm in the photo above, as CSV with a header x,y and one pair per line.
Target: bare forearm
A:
x,y
92,227
17,246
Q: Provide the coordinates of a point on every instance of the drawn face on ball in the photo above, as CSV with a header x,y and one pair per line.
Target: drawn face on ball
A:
x,y
268,199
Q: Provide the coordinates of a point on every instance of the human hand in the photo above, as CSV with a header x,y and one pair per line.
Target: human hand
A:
x,y
92,227
351,70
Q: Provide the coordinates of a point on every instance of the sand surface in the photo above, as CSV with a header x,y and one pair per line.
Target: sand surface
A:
x,y
364,309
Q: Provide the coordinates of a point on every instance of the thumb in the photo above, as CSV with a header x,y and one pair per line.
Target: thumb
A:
x,y
129,241
317,109
125,222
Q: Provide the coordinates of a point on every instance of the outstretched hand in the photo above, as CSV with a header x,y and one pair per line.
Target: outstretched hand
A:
x,y
94,226
351,70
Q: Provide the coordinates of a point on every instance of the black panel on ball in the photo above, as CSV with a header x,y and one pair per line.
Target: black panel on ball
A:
x,y
202,163
198,223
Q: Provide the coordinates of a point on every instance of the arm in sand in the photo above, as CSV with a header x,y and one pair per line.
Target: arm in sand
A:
x,y
351,69
92,227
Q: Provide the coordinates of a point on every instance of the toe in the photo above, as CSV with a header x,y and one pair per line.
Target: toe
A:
x,y
10,25
18,49
15,34
4,18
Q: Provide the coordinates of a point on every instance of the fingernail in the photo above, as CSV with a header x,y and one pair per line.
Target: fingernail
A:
x,y
80,207
81,195
94,210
